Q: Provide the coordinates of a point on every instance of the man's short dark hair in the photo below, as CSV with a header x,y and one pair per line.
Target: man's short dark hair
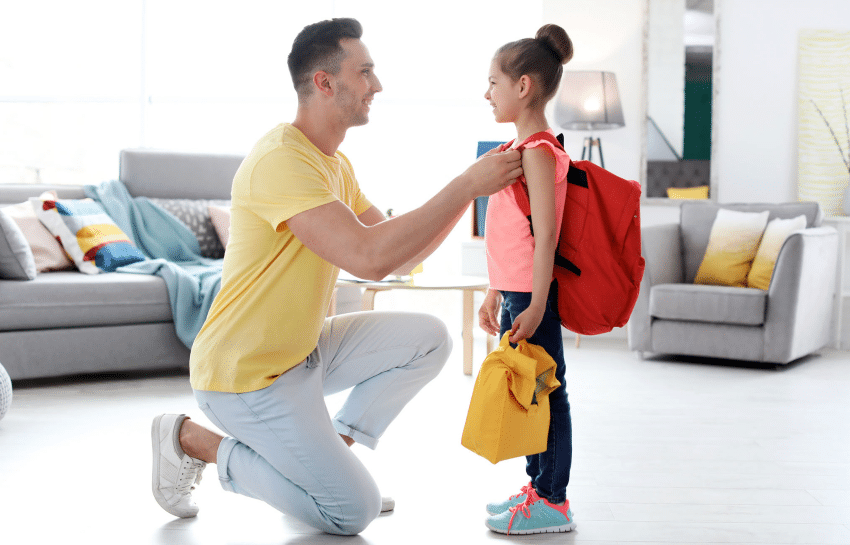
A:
x,y
317,47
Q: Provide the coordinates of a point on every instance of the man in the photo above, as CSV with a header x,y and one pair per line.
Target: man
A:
x,y
267,355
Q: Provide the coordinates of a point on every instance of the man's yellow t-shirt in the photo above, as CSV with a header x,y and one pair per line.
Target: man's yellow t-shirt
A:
x,y
275,292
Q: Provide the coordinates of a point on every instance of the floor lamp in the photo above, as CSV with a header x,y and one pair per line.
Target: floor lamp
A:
x,y
589,101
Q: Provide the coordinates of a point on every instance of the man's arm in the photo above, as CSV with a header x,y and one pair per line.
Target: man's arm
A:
x,y
373,216
335,234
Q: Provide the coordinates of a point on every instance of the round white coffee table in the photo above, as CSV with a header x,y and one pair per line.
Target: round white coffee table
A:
x,y
466,284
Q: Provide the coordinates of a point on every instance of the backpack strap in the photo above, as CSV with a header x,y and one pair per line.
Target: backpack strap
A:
x,y
575,176
520,187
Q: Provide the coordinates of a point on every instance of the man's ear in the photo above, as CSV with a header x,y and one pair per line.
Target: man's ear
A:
x,y
525,84
322,82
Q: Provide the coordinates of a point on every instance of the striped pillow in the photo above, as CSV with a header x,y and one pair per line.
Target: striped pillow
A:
x,y
87,233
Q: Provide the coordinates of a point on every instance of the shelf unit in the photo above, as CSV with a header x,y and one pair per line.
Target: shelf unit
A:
x,y
841,316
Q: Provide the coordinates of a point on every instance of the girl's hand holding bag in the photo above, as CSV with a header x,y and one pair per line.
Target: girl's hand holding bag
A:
x,y
509,411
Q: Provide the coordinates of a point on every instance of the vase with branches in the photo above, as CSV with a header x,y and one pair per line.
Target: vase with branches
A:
x,y
844,159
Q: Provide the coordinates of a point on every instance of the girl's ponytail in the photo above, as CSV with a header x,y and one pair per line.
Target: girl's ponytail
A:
x,y
556,39
540,57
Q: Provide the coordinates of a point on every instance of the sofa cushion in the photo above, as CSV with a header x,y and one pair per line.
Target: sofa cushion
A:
x,y
220,217
732,246
87,233
698,217
16,260
699,192
715,304
47,253
72,299
177,175
195,214
778,230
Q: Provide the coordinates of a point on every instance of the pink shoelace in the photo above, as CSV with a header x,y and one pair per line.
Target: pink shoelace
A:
x,y
531,497
523,491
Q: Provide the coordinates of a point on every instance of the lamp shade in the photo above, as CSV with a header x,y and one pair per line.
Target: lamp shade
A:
x,y
589,100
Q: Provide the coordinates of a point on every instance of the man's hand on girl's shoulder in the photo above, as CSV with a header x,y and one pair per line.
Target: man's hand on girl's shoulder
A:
x,y
492,173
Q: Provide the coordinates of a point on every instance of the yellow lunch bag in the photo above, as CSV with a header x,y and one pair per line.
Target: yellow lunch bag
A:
x,y
509,411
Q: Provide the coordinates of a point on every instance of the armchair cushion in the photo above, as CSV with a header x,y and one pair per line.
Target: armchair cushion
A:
x,y
732,246
713,304
774,237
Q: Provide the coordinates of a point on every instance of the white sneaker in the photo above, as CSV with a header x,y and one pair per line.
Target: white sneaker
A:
x,y
175,473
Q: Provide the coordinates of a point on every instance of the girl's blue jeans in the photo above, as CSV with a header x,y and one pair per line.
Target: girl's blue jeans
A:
x,y
549,471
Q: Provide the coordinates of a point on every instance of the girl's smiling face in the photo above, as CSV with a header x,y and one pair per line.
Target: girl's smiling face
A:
x,y
503,94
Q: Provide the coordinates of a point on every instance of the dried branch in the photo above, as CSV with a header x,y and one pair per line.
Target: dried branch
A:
x,y
828,126
846,127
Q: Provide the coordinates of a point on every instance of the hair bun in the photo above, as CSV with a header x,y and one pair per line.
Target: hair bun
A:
x,y
556,39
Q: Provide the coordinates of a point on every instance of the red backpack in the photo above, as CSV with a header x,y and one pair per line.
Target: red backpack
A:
x,y
598,264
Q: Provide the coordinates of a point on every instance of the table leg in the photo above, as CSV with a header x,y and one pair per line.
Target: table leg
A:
x,y
367,302
467,331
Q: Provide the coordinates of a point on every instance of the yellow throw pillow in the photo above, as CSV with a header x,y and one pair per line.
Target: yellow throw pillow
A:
x,y
732,246
774,237
699,192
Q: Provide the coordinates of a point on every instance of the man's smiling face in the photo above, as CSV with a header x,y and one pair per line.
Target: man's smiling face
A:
x,y
356,84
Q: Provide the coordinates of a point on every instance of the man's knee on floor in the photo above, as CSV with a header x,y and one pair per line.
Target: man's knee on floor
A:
x,y
356,516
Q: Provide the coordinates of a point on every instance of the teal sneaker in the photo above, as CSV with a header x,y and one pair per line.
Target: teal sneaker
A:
x,y
533,516
501,507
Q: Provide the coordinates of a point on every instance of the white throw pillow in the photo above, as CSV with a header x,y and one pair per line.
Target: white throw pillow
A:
x,y
732,246
771,243
16,261
47,253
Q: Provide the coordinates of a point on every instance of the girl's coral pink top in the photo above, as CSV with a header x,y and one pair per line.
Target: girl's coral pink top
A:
x,y
507,235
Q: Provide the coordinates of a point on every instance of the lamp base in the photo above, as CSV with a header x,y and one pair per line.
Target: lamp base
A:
x,y
589,143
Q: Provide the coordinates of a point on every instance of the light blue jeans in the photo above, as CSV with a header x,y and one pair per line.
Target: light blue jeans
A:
x,y
285,449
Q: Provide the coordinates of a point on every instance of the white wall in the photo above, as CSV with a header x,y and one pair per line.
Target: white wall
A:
x,y
666,77
755,146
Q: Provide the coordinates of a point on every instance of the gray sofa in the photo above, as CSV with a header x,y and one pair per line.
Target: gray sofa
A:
x,y
788,321
67,322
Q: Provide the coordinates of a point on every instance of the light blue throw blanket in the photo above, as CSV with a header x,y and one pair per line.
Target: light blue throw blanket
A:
x,y
173,254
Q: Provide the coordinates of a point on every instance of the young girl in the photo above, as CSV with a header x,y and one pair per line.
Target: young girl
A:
x,y
524,76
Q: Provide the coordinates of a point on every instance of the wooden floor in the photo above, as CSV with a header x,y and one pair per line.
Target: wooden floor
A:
x,y
666,451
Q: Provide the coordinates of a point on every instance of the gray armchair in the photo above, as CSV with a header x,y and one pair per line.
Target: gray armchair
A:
x,y
788,321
